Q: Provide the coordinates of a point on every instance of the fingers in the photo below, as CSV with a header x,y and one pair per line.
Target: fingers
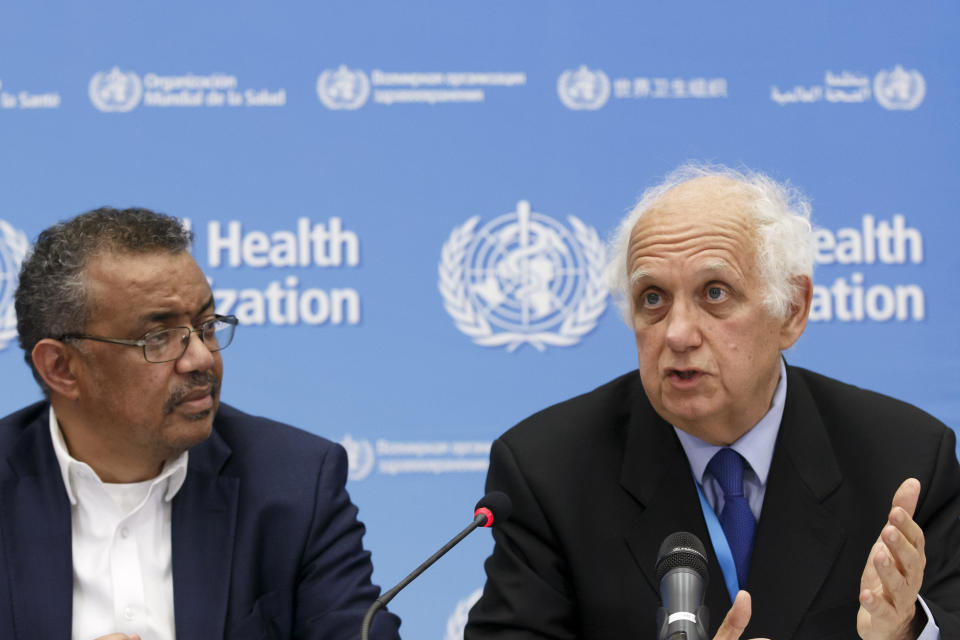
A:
x,y
736,619
903,521
902,558
886,619
875,606
907,495
894,571
894,583
907,554
899,567
898,556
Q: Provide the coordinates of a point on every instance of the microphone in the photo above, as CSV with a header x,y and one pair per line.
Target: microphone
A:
x,y
495,506
682,573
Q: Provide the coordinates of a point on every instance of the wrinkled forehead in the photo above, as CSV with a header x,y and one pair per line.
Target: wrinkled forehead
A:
x,y
120,280
708,216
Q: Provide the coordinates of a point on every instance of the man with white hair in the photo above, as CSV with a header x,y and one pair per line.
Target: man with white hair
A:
x,y
835,508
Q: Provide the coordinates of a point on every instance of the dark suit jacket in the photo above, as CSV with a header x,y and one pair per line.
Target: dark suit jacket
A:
x,y
599,481
266,543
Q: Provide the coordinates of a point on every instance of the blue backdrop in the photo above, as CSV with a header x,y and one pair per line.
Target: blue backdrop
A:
x,y
405,202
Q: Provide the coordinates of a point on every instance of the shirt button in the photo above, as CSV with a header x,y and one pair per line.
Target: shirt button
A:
x,y
128,613
124,532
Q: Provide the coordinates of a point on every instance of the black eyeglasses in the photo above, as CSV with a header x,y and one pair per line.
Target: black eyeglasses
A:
x,y
167,345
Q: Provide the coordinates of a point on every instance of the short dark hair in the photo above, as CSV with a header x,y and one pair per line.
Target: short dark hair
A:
x,y
51,298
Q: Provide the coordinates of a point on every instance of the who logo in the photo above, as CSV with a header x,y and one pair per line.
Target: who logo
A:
x,y
583,89
523,278
115,91
343,88
13,249
899,89
360,457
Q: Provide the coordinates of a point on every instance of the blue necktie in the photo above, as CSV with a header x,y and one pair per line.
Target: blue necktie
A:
x,y
736,518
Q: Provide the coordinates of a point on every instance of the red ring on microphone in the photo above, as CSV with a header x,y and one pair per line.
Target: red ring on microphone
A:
x,y
487,513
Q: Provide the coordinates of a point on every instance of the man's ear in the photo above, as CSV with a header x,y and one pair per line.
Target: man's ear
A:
x,y
799,312
56,362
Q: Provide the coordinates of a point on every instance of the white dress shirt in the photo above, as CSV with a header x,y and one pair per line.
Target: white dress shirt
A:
x,y
122,575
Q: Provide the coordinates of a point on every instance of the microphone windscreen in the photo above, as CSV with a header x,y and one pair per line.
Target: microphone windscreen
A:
x,y
498,503
681,549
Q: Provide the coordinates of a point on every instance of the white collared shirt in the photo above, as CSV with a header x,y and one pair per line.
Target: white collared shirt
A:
x,y
122,572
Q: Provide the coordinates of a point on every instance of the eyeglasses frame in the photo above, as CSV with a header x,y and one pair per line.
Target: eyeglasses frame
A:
x,y
142,342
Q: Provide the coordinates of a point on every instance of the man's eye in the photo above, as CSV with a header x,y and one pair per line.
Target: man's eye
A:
x,y
716,293
158,339
652,299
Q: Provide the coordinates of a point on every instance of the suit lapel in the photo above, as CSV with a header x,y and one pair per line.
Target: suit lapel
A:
x,y
203,527
657,474
797,538
36,532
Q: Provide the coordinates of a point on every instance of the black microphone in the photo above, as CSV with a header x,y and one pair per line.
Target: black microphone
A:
x,y
495,506
682,573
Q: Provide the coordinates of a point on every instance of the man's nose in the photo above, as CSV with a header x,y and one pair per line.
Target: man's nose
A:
x,y
683,328
197,357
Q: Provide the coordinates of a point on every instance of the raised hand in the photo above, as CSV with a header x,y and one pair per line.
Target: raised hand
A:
x,y
893,573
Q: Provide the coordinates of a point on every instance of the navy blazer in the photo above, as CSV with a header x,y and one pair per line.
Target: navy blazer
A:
x,y
266,543
598,482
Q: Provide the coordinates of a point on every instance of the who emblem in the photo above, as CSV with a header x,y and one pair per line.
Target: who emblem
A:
x,y
343,89
899,89
360,457
116,90
583,89
13,248
523,278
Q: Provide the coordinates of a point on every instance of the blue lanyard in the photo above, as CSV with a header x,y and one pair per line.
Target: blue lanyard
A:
x,y
720,545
